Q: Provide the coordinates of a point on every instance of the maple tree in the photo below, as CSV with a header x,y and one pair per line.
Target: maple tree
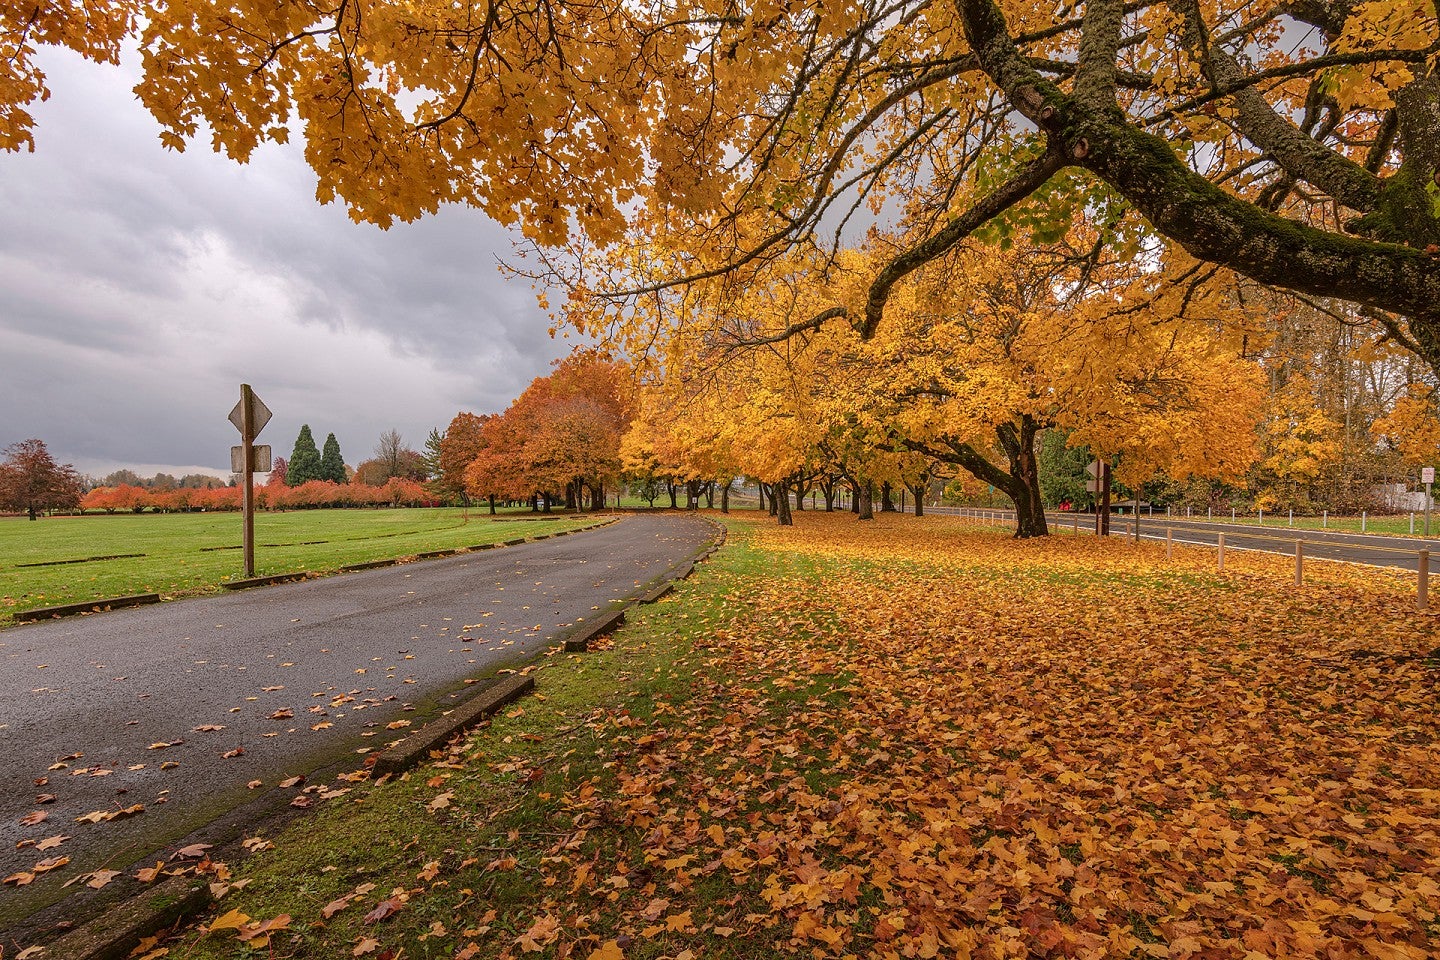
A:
x,y
990,348
735,133
1412,427
458,446
31,480
560,436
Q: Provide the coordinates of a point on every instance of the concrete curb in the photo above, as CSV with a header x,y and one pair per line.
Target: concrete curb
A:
x,y
250,582
93,606
112,936
416,747
657,593
580,642
367,565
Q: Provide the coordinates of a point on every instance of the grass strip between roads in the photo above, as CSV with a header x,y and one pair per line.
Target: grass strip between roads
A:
x,y
910,739
187,554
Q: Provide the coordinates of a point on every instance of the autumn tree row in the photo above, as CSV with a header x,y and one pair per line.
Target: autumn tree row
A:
x,y
312,494
557,443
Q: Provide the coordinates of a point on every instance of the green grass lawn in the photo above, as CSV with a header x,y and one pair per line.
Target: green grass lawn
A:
x,y
190,553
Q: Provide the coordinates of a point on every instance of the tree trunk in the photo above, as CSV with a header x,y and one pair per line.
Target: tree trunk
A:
x,y
692,495
670,486
864,500
918,491
775,494
887,504
761,487
725,498
491,498
710,495
800,492
827,487
854,498
780,496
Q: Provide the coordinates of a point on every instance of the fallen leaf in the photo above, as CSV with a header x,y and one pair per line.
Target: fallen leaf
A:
x,y
384,909
30,819
100,878
233,920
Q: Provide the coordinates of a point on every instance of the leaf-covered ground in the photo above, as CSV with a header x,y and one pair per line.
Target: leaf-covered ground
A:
x,y
913,739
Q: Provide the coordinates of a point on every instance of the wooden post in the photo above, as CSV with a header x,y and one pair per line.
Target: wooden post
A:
x,y
1422,583
247,475
1299,562
1169,543
1220,553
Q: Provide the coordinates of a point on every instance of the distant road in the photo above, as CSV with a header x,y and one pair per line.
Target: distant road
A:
x,y
177,707
1379,551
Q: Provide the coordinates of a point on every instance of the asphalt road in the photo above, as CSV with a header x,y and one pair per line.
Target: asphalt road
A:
x,y
178,707
1379,551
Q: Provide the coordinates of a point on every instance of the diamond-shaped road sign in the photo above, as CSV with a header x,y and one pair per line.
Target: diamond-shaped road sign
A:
x,y
259,415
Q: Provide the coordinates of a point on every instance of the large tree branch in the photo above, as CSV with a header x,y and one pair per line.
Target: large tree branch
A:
x,y
1209,223
1300,155
1095,76
1025,182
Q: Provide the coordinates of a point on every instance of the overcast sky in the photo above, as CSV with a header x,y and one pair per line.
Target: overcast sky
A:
x,y
140,287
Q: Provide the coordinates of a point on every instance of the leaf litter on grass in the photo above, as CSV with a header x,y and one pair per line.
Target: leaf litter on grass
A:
x,y
911,739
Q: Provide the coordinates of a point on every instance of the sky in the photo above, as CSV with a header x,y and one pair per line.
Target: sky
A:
x,y
139,288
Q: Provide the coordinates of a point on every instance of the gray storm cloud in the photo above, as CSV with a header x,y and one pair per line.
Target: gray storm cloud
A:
x,y
139,287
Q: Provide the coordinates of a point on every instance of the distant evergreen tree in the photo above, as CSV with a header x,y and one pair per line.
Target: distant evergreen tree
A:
x,y
304,459
332,465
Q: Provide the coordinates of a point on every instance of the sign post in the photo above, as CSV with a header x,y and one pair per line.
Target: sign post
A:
x,y
1100,470
249,416
1427,474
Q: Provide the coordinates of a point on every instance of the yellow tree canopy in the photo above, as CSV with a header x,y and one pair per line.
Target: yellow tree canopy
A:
x,y
1297,145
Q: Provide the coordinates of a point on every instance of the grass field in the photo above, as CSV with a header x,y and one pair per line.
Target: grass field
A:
x,y
181,554
908,738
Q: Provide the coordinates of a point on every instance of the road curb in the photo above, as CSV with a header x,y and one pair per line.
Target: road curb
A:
x,y
112,936
416,747
93,606
580,642
273,578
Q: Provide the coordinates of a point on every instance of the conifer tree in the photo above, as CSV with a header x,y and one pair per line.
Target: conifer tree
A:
x,y
332,465
304,459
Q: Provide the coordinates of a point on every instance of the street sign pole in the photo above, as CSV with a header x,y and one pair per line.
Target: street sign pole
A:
x,y
1102,519
1428,475
249,416
247,498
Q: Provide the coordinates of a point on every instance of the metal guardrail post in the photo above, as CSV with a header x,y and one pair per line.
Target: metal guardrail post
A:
x,y
1422,583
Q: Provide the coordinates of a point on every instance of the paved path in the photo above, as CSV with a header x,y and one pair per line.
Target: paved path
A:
x,y
179,706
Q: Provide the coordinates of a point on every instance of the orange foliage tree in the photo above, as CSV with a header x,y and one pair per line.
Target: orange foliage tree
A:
x,y
560,436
